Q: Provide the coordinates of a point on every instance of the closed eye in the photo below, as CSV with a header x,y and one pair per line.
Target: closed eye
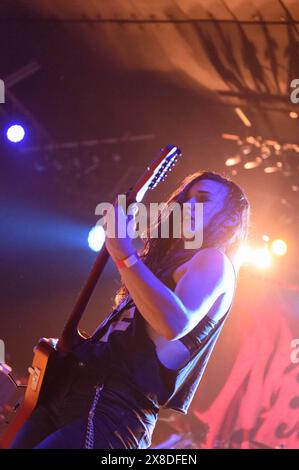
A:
x,y
202,198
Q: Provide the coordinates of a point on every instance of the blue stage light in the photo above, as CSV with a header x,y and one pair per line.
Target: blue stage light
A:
x,y
15,133
96,238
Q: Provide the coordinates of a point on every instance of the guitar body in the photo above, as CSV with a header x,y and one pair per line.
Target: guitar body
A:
x,y
42,352
49,376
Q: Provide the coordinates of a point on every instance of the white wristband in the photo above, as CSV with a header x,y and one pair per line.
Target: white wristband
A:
x,y
128,262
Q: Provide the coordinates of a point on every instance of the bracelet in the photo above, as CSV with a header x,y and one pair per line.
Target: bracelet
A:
x,y
128,261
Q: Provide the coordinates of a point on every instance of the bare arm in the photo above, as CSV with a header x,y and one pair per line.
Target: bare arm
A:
x,y
174,314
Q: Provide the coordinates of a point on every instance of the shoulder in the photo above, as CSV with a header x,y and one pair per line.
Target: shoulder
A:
x,y
207,285
215,263
209,256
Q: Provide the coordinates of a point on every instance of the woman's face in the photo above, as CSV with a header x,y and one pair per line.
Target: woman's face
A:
x,y
212,194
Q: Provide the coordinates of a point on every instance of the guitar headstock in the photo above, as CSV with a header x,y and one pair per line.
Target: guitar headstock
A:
x,y
156,172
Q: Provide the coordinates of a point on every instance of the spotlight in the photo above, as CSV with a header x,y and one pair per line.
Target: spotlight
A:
x,y
245,254
15,133
233,160
271,169
252,162
272,165
246,149
293,115
252,140
96,238
265,152
261,258
243,117
279,247
230,136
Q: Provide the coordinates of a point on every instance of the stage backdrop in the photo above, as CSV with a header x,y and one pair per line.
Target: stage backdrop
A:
x,y
249,396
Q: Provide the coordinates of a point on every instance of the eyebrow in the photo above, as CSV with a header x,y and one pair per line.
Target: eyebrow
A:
x,y
201,191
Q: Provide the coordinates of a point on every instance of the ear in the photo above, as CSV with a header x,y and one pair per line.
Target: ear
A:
x,y
232,220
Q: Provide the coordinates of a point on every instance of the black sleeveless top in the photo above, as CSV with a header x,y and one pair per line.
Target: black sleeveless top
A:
x,y
124,350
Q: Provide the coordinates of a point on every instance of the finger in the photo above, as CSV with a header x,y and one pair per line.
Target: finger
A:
x,y
120,212
132,210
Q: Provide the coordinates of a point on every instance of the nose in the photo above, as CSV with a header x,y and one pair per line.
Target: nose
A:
x,y
191,206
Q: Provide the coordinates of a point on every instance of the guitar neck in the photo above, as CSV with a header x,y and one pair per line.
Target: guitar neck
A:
x,y
71,335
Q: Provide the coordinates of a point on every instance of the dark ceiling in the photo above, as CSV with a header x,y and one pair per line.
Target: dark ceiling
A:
x,y
101,86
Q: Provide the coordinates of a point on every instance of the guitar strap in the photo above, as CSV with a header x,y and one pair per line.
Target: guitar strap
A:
x,y
103,327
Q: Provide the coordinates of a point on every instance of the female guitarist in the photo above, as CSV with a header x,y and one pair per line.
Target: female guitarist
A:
x,y
152,350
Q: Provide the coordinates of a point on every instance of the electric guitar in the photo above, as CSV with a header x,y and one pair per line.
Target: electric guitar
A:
x,y
71,336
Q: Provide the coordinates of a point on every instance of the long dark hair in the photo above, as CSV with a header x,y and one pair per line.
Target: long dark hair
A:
x,y
163,255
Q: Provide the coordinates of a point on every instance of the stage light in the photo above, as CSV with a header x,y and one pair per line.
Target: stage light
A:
x,y
279,247
246,149
233,160
243,117
261,258
272,165
245,254
271,169
293,115
265,152
266,238
252,162
96,238
15,133
258,257
230,136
